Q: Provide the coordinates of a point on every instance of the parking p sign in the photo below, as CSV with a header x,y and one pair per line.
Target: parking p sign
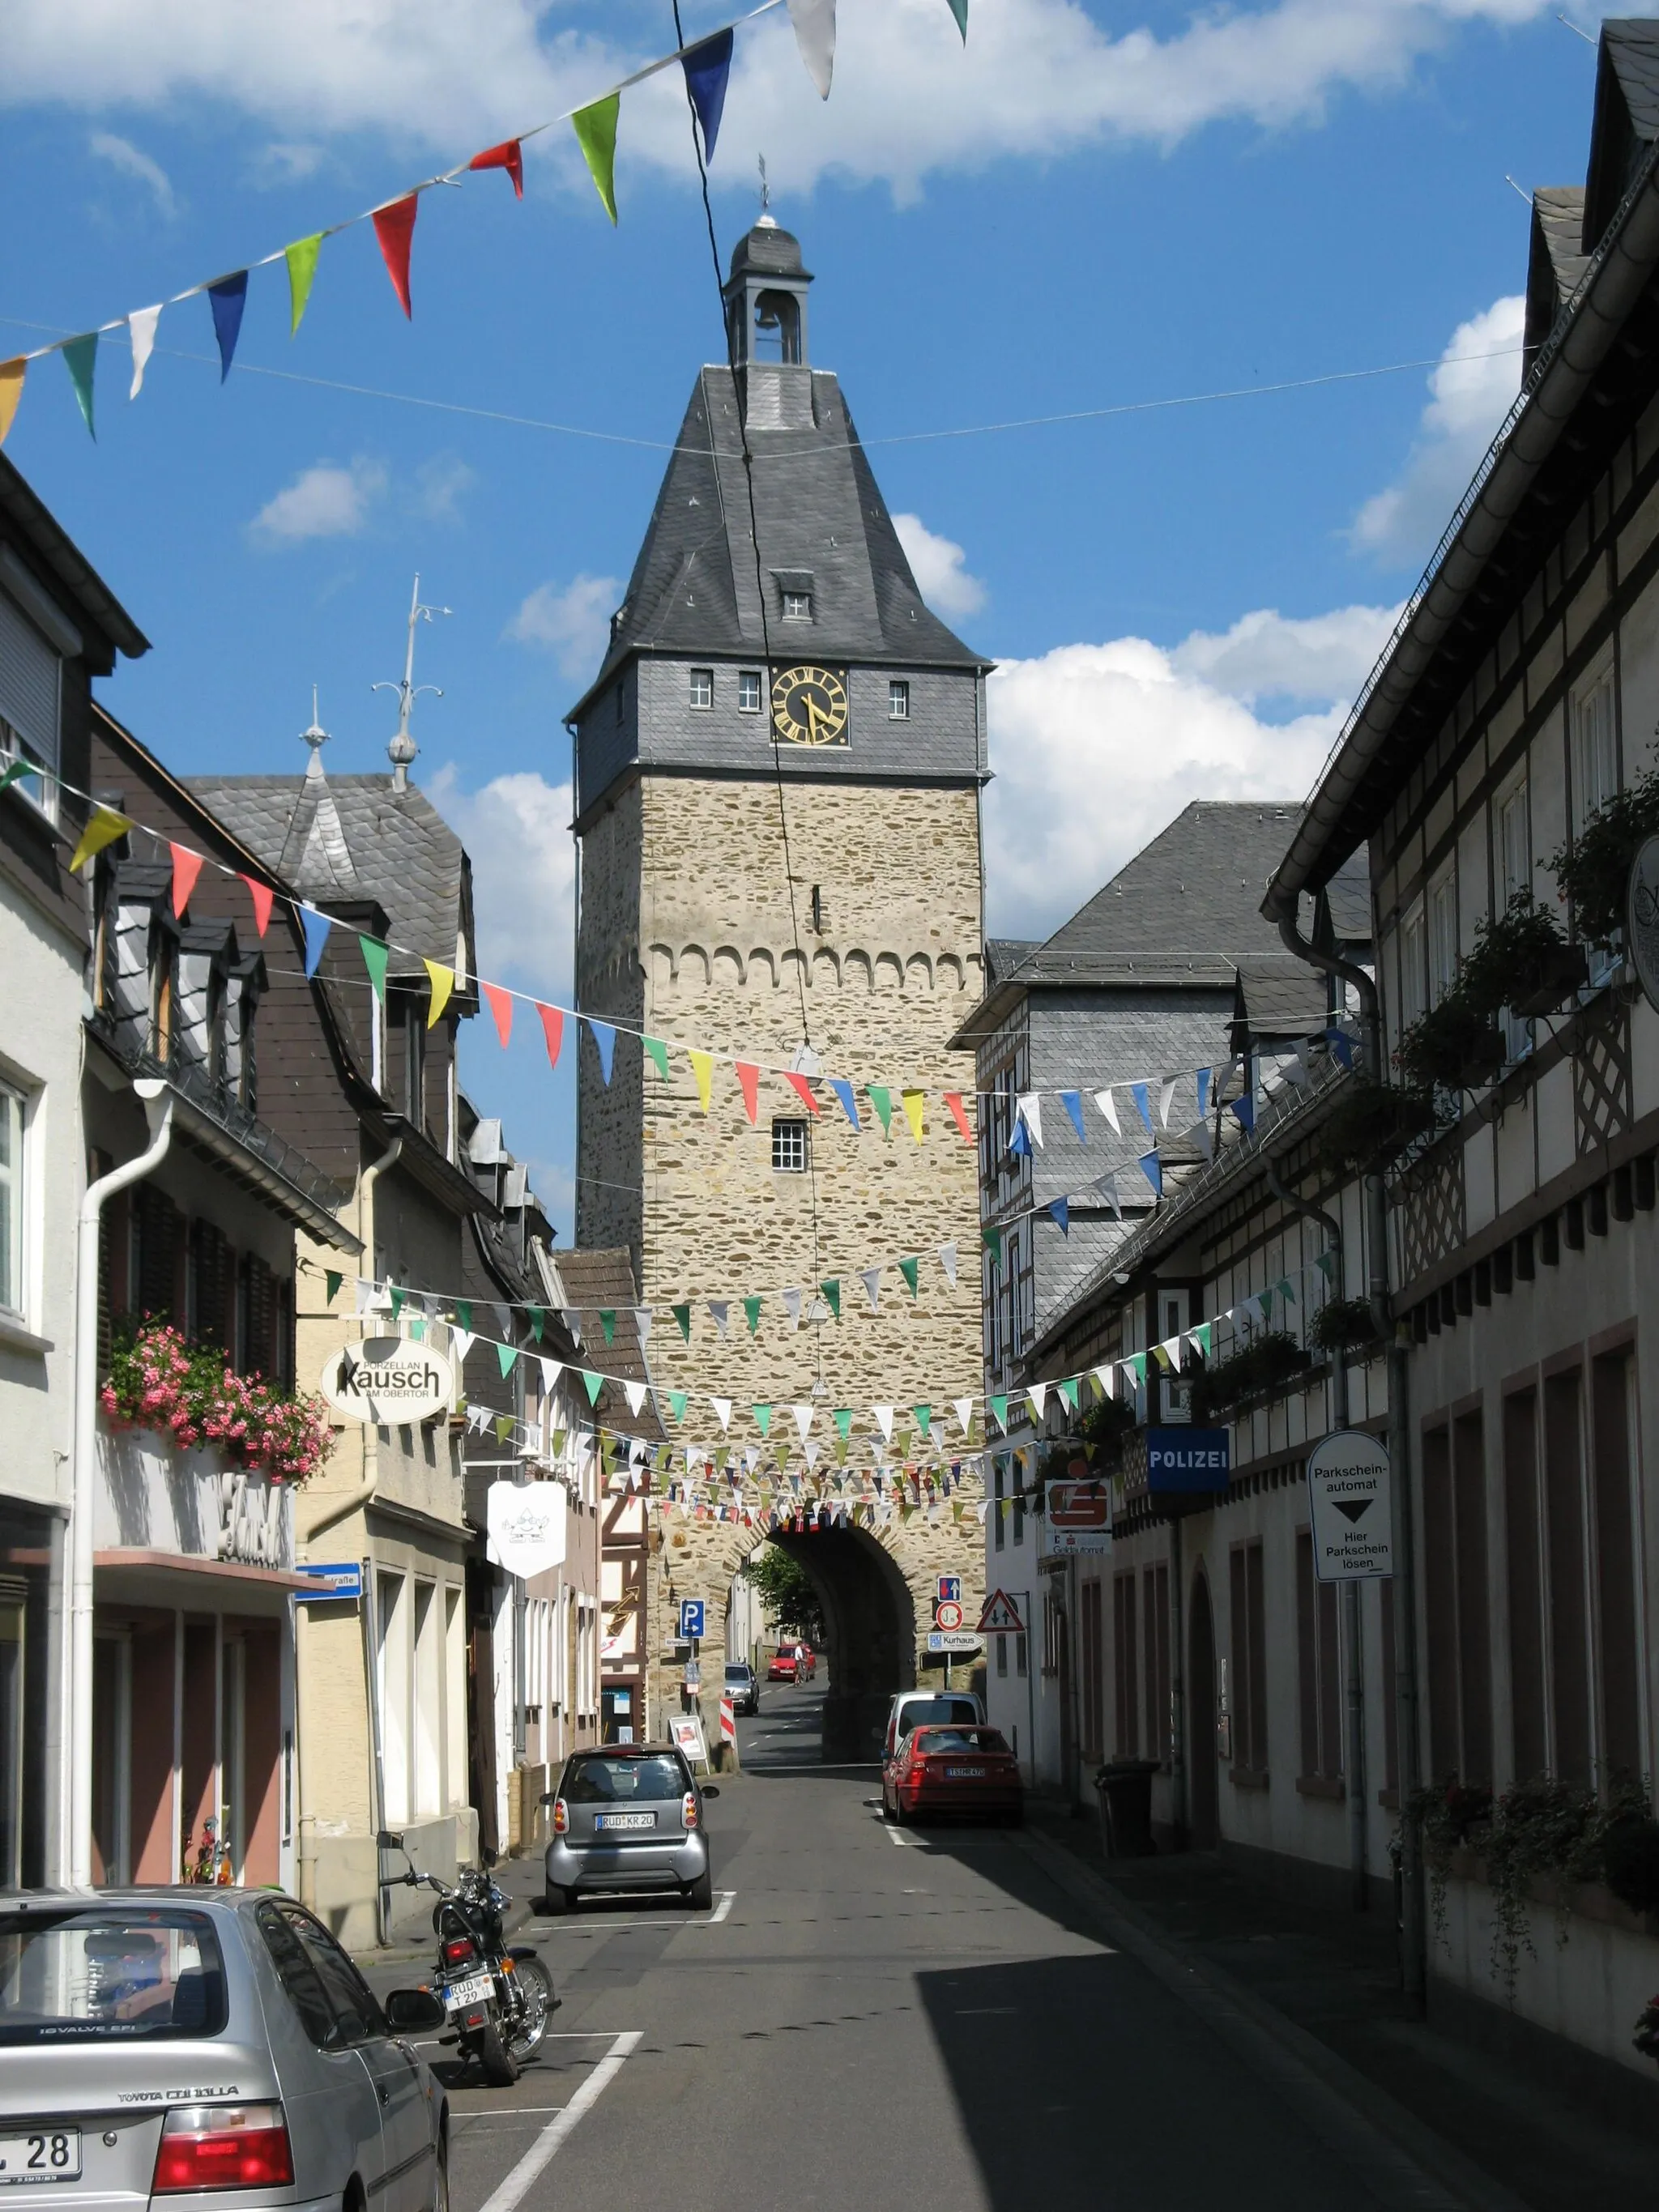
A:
x,y
690,1619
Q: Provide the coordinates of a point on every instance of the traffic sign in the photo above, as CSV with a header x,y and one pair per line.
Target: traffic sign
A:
x,y
950,1590
691,1618
1350,1495
947,1613
1000,1616
952,1639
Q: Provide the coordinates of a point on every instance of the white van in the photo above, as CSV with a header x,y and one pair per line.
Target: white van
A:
x,y
912,1709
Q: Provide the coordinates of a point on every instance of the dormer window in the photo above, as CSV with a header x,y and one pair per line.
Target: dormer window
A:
x,y
797,606
30,690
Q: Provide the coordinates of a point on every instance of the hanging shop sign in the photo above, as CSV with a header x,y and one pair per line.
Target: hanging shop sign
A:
x,y
1185,1460
1641,916
1078,1519
388,1382
527,1525
1351,1501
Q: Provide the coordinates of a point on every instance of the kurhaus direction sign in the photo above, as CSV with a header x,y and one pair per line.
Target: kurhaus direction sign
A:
x,y
387,1381
1350,1494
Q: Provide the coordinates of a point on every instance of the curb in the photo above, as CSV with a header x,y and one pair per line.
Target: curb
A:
x,y
1404,2165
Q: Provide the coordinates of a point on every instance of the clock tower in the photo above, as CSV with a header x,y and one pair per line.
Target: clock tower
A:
x,y
778,771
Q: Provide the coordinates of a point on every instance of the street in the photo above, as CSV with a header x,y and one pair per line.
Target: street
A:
x,y
871,2017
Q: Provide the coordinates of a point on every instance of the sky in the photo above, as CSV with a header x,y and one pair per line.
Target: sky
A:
x,y
1113,214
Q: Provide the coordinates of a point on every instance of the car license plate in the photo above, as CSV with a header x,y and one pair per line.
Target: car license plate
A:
x,y
965,1773
624,1819
51,2155
476,1989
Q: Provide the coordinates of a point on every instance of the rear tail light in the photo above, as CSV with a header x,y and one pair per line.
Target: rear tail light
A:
x,y
222,2146
458,1950
689,1809
561,1817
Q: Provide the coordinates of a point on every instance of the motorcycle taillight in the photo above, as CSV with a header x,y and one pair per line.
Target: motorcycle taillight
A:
x,y
458,1950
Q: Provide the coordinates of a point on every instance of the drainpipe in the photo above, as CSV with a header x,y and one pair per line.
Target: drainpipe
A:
x,y
76,1847
1413,1953
343,1508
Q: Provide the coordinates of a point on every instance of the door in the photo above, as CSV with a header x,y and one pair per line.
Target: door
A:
x,y
1203,1780
334,2113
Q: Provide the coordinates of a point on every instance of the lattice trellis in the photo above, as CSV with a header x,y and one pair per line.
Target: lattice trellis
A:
x,y
1432,1212
1600,1076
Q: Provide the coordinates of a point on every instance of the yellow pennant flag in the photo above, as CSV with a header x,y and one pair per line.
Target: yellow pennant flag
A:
x,y
301,260
104,826
443,982
702,1067
12,373
913,1103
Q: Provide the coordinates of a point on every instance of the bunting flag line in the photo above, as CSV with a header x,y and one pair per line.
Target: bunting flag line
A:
x,y
595,127
708,67
394,233
227,299
814,23
141,324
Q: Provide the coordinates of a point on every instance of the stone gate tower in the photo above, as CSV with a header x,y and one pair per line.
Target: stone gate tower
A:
x,y
778,771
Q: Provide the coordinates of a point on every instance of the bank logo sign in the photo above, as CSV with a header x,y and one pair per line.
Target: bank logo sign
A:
x,y
1351,1501
388,1382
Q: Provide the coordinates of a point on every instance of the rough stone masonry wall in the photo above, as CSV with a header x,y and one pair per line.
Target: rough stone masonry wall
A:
x,y
609,983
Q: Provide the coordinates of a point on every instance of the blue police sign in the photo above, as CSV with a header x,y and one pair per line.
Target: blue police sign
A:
x,y
1189,1459
690,1619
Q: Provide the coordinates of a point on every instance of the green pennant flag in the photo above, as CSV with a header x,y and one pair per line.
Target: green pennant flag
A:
x,y
537,1323
881,1099
1000,1407
831,1288
751,1308
375,955
677,1404
911,1270
80,359
992,1240
1202,1335
1326,1264
463,1312
682,1316
331,1282
1137,1364
558,1444
841,1451
924,1418
659,1052
844,1420
398,1297
503,1427
1071,1391
762,1418
607,1323
596,134
594,1384
1264,1300
14,770
506,1354
1286,1290
720,1458
417,1328
959,10
301,260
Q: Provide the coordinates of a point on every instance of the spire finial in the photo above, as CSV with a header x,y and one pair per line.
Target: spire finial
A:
x,y
403,748
766,220
316,737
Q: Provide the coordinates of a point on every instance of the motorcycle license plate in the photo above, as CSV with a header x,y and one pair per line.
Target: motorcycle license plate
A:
x,y
965,1773
50,2154
476,1989
624,1819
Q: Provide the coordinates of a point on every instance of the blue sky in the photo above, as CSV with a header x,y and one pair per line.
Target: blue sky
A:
x,y
1090,206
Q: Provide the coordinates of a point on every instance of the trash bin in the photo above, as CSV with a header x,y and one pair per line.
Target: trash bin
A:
x,y
1125,1786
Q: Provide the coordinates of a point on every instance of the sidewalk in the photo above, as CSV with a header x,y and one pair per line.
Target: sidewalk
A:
x,y
1330,1976
521,1878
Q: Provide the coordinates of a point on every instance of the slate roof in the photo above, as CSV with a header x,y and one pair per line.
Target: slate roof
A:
x,y
357,838
821,515
1626,118
69,568
584,1282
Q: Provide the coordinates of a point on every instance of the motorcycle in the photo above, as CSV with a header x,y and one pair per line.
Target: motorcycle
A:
x,y
497,1996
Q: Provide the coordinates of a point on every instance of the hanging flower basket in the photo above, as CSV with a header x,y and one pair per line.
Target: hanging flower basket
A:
x,y
158,1382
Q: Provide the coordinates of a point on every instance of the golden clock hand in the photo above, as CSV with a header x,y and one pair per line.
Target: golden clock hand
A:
x,y
814,716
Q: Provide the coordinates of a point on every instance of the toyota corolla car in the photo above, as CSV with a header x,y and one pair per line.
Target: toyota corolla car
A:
x,y
629,1816
181,2043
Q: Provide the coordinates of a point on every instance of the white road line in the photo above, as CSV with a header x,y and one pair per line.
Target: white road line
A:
x,y
529,2169
905,1842
720,1911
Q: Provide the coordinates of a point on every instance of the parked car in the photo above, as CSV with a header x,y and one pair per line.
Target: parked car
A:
x,y
968,1770
911,1708
790,1662
742,1686
308,2092
629,1817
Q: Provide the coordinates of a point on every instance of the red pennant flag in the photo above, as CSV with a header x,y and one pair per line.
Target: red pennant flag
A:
x,y
394,227
553,1030
953,1100
748,1077
500,1005
803,1090
509,155
186,867
261,895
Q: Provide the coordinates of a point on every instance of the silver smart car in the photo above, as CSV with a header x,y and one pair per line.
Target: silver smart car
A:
x,y
629,1817
175,2044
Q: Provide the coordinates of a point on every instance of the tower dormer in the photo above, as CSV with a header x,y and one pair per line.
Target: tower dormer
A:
x,y
765,299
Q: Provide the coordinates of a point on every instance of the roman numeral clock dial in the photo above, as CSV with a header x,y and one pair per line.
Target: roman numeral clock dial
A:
x,y
809,706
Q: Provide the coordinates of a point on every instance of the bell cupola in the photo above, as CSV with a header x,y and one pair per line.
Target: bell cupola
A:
x,y
766,299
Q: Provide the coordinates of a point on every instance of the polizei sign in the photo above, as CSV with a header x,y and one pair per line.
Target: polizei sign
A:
x,y
387,1381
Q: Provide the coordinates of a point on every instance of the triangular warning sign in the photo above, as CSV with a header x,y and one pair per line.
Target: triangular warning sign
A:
x,y
1000,1617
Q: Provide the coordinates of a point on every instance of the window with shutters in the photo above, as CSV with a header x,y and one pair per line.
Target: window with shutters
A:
x,y
31,702
158,1270
1319,1672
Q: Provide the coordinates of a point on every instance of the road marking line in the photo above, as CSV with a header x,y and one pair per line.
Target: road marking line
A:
x,y
518,2184
905,1842
720,1911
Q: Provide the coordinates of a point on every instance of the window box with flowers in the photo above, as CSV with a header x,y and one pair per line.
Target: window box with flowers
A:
x,y
195,1397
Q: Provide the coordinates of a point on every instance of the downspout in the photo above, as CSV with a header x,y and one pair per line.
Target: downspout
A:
x,y
1412,1919
1353,1635
343,1508
76,1846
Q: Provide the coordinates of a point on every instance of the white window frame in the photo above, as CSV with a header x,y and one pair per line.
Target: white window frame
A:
x,y
699,689
749,689
1443,938
797,606
1414,963
791,1145
1513,819
43,746
898,699
1593,730
15,1177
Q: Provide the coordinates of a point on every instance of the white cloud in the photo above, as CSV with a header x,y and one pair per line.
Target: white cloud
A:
x,y
517,830
941,569
285,163
1037,77
438,485
121,154
1470,390
1095,748
324,501
572,622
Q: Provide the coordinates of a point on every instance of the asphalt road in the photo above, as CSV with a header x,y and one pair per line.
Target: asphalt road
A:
x,y
875,2017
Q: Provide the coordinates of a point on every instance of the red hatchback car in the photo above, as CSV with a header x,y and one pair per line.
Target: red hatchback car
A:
x,y
953,1769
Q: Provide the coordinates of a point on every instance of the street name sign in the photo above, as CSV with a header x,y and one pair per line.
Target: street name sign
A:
x,y
1350,1498
343,1579
388,1382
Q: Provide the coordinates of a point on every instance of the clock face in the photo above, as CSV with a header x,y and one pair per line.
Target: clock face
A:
x,y
809,706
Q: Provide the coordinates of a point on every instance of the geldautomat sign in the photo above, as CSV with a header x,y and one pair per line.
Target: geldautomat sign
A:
x,y
1189,1459
387,1380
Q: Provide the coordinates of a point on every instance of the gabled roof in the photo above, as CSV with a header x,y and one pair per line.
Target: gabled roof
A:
x,y
1626,118
587,1282
91,599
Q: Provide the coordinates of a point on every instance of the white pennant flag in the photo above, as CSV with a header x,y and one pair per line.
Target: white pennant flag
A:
x,y
803,1419
812,1451
1107,1186
814,34
573,1321
963,1410
1038,1394
1028,1108
1104,1376
718,1309
947,1260
141,328
365,1295
791,1300
884,1422
1108,1106
461,1341
642,1322
1172,1349
1165,1100
635,1394
871,1281
722,1412
551,1370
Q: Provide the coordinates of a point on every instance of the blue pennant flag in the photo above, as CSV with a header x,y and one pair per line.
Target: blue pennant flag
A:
x,y
605,1036
1245,1109
843,1090
1152,1168
707,65
1072,1102
1019,1144
1061,1211
227,298
1138,1091
316,926
1340,1046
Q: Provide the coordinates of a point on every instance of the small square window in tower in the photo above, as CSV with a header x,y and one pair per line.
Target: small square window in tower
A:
x,y
797,606
898,700
748,691
789,1147
702,688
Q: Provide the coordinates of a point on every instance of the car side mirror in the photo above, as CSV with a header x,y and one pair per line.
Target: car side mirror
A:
x,y
711,1790
414,2012
389,1840
546,1797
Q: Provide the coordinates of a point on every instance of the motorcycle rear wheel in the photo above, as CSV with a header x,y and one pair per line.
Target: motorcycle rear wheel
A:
x,y
495,2060
525,2039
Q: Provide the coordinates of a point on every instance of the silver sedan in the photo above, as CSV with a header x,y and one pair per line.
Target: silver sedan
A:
x,y
177,2043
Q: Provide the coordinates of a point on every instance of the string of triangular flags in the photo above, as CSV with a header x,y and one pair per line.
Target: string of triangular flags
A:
x,y
707,65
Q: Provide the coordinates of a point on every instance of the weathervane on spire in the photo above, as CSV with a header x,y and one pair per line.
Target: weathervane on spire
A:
x,y
316,737
768,221
403,748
